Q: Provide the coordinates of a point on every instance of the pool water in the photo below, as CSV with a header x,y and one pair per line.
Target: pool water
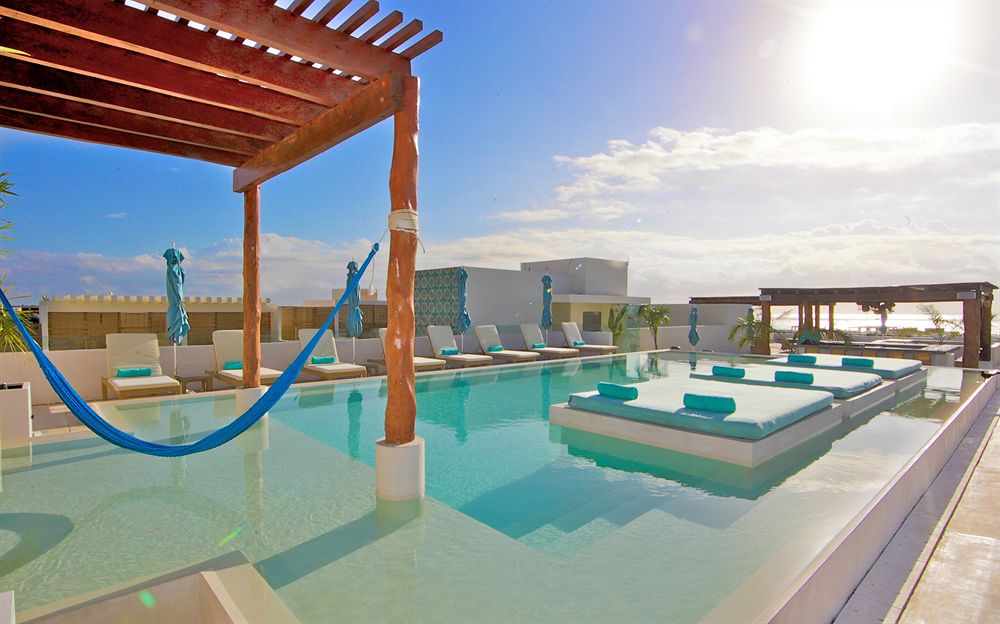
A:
x,y
523,521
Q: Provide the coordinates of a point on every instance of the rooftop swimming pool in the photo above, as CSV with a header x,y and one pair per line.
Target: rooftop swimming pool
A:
x,y
523,521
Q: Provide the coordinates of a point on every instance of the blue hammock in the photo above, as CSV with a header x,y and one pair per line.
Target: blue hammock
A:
x,y
115,436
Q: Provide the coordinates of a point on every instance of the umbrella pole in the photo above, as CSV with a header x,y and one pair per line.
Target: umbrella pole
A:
x,y
354,350
175,358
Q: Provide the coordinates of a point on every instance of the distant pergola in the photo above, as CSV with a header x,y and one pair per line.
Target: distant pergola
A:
x,y
239,83
976,298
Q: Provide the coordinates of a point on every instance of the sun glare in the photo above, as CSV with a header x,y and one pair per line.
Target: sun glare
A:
x,y
877,56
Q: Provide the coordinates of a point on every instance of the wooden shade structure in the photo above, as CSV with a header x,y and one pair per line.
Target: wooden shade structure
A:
x,y
240,83
976,298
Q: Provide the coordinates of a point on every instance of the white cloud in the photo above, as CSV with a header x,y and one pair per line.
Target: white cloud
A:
x,y
116,215
532,216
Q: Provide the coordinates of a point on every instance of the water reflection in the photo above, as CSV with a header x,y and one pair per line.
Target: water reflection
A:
x,y
355,409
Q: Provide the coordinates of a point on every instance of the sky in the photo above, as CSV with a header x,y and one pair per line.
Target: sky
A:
x,y
719,147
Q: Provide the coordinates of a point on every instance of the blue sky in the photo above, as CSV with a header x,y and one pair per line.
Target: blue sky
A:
x,y
707,143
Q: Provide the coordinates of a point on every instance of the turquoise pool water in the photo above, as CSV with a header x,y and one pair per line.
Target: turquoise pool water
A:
x,y
523,521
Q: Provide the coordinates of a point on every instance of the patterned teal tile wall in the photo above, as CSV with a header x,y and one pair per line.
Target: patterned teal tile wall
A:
x,y
435,298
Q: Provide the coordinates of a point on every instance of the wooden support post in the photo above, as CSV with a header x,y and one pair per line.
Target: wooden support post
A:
x,y
830,312
816,324
401,408
251,287
807,316
763,346
986,328
801,309
971,317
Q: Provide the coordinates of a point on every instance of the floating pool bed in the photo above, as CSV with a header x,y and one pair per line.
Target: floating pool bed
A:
x,y
841,384
887,368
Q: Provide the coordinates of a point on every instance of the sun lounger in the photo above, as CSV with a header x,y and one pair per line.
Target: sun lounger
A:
x,y
887,368
320,363
420,364
575,339
532,335
134,368
758,411
444,346
489,342
228,345
842,384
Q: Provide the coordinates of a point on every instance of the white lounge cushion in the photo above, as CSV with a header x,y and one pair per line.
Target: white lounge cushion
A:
x,y
266,374
133,351
137,383
336,367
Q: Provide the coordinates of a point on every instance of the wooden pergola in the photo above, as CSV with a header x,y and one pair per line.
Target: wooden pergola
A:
x,y
976,298
240,83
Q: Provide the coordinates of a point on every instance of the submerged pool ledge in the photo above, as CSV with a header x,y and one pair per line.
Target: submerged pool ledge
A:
x,y
824,587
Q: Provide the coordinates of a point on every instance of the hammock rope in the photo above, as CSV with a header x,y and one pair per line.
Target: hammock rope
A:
x,y
79,407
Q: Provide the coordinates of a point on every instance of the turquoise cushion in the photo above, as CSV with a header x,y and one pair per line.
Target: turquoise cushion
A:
x,y
494,349
710,403
324,359
858,362
538,345
728,371
794,377
800,358
617,391
578,343
449,351
760,411
842,384
134,372
232,366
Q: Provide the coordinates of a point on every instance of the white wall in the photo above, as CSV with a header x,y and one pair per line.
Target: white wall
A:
x,y
712,337
591,276
83,368
504,298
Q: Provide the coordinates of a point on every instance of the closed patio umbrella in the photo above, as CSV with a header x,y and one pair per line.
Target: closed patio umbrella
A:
x,y
693,336
546,323
177,318
355,318
464,321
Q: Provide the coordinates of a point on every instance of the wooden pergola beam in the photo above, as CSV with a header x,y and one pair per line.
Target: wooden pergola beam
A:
x,y
73,111
402,35
357,19
279,29
422,45
77,55
123,27
105,136
40,79
377,101
382,27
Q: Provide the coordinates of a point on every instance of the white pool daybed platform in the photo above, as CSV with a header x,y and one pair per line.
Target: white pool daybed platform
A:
x,y
767,421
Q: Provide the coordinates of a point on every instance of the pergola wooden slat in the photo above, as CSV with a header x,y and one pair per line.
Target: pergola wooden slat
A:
x,y
257,87
976,298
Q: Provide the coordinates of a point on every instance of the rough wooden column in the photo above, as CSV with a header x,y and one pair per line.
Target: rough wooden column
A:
x,y
801,309
830,312
971,317
763,346
251,287
986,327
807,316
816,324
401,408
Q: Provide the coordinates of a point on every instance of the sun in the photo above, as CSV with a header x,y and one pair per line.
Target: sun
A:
x,y
878,56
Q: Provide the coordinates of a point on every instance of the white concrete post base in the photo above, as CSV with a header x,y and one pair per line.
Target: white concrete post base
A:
x,y
255,439
399,470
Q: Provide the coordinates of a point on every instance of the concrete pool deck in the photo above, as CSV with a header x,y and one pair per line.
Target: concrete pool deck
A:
x,y
943,564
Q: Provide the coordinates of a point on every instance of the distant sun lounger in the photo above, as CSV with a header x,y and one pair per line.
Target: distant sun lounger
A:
x,y
575,339
842,384
887,368
324,362
134,368
444,346
489,342
420,364
533,340
228,344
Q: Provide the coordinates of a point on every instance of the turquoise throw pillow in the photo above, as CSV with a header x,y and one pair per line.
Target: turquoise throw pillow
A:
x,y
538,345
802,359
617,391
710,403
232,366
858,362
729,371
449,351
324,359
578,343
793,377
494,349
134,372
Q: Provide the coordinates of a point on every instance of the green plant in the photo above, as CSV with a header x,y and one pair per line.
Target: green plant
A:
x,y
655,317
10,337
747,328
617,322
942,329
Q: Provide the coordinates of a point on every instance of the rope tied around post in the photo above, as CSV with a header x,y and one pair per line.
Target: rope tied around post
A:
x,y
404,220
